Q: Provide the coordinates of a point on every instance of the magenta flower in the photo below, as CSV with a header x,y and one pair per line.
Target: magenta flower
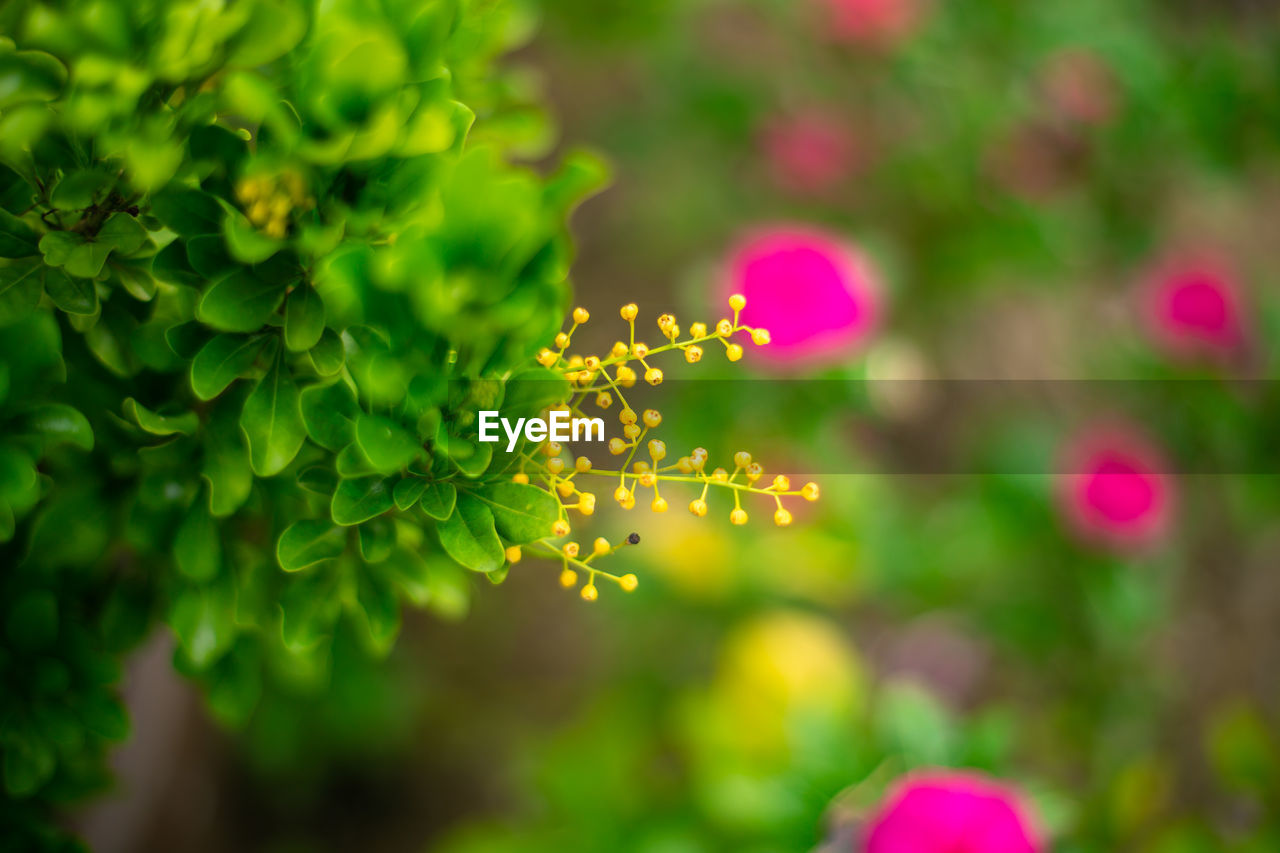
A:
x,y
942,811
870,22
1192,307
1113,490
808,152
814,293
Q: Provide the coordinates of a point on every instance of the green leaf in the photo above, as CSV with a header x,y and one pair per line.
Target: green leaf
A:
x,y
226,461
187,339
30,76
307,542
328,355
407,492
203,618
241,302
247,244
272,422
329,413
469,536
377,537
222,360
410,572
438,500
122,232
207,254
378,612
309,608
59,424
361,499
28,764
80,189
388,446
17,238
522,512
188,212
20,289
72,295
319,479
57,246
196,547
303,318
157,424
274,28
531,391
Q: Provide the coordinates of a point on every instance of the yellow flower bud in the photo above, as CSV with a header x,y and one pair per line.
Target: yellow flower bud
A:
x,y
698,507
520,477
742,459
724,328
589,592
733,352
693,354
546,357
617,446
652,418
621,493
582,464
640,350
619,350
571,549
629,311
659,505
653,376
600,547
587,503
657,449
562,340
555,464
782,483
737,302
580,315
631,431
568,578
513,554
698,330
781,518
560,528
760,337
809,491
628,582
738,516
604,399
627,416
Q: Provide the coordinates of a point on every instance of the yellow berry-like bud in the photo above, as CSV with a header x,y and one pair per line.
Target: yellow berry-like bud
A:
x,y
781,518
754,472
617,446
737,302
628,582
629,311
674,331
604,399
647,479
589,592
259,212
571,549
562,340
280,207
631,431
621,493
551,448
720,475
565,488
513,554
276,229
760,337
582,464
580,315
555,464
640,350
782,483
698,507
693,354
640,466
666,322
576,361
600,547
652,418
247,190
546,357
724,328
684,465
698,330
809,491
587,503
653,376
698,457
629,502
560,528
733,352
568,578
520,477
657,449
619,350
591,362
659,505
627,416
738,516
742,459
626,376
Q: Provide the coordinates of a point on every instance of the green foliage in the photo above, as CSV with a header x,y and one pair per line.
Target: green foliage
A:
x,y
249,268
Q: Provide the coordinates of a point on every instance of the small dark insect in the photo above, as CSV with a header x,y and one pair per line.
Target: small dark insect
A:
x,y
633,539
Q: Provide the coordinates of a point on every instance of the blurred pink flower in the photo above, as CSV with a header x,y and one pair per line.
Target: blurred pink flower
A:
x,y
1079,85
1113,488
876,22
809,151
813,292
1191,307
942,811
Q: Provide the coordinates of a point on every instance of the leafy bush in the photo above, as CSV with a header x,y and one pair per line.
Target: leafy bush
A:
x,y
251,282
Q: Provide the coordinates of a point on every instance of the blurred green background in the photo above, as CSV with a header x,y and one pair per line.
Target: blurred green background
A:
x,y
1012,168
